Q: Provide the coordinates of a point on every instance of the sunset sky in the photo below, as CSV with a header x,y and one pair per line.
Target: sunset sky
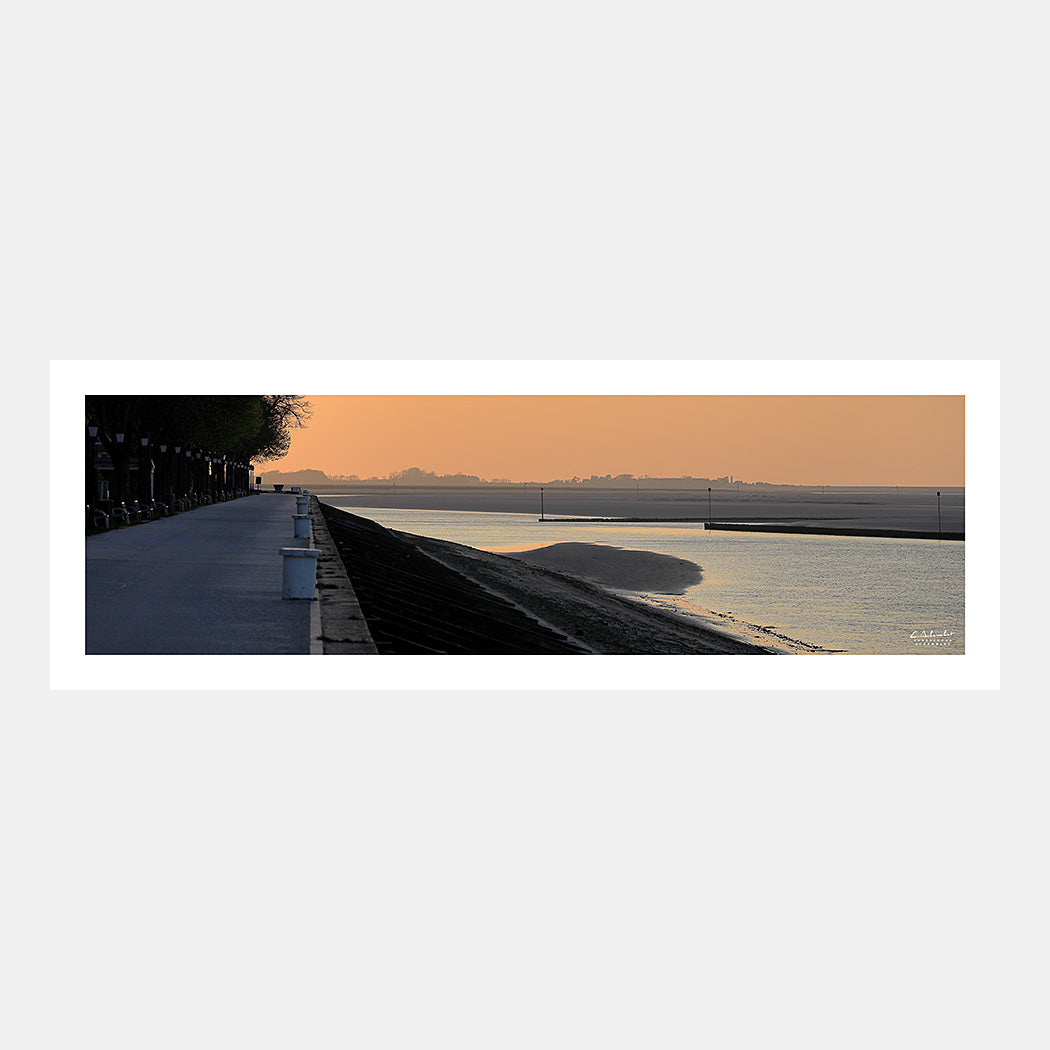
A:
x,y
825,439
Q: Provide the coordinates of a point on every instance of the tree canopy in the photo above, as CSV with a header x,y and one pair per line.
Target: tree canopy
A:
x,y
241,426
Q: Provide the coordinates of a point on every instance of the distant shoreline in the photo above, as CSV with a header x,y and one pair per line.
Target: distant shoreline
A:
x,y
344,486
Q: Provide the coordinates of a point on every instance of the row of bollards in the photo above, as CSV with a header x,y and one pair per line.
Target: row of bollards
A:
x,y
300,563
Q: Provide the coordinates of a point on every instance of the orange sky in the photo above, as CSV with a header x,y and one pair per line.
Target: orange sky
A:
x,y
821,439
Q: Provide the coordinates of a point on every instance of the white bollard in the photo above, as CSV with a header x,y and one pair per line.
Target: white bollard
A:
x,y
301,526
300,572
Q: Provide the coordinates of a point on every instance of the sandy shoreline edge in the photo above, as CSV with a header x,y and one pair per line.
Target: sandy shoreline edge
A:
x,y
595,615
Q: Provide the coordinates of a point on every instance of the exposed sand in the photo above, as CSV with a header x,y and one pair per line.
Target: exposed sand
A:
x,y
599,619
627,570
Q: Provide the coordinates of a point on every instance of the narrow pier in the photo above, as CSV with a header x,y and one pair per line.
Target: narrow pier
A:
x,y
823,530
766,526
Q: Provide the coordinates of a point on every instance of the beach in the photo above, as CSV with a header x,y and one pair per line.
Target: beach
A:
x,y
601,620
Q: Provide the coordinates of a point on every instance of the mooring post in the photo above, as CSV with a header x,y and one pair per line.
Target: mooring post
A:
x,y
300,572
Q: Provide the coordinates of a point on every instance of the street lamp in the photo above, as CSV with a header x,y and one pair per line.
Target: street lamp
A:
x,y
145,474
165,470
120,473
90,488
176,488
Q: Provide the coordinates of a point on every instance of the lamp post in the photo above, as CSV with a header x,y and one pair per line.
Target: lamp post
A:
x,y
90,488
541,503
167,487
938,514
121,474
709,503
145,474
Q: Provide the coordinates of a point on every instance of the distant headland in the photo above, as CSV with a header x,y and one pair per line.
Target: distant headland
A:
x,y
414,477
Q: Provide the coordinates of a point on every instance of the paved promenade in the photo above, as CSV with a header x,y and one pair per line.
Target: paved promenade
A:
x,y
202,582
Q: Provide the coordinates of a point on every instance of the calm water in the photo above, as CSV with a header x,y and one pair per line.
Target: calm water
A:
x,y
846,594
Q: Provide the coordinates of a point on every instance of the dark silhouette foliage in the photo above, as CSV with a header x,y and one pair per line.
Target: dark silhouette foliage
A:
x,y
241,426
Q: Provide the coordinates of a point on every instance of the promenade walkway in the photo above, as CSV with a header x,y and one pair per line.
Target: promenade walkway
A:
x,y
205,581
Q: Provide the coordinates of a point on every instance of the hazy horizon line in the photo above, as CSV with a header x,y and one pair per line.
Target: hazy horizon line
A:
x,y
410,475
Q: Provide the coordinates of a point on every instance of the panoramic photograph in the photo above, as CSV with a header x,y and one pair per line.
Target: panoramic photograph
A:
x,y
522,525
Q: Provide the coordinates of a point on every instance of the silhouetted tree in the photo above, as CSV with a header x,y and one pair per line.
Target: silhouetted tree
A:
x,y
281,414
240,427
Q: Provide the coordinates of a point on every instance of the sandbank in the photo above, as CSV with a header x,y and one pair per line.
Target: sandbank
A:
x,y
629,570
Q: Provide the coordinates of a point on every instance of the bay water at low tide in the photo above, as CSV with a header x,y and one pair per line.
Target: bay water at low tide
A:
x,y
842,594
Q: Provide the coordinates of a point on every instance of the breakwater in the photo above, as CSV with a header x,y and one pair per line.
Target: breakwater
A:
x,y
832,530
765,526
